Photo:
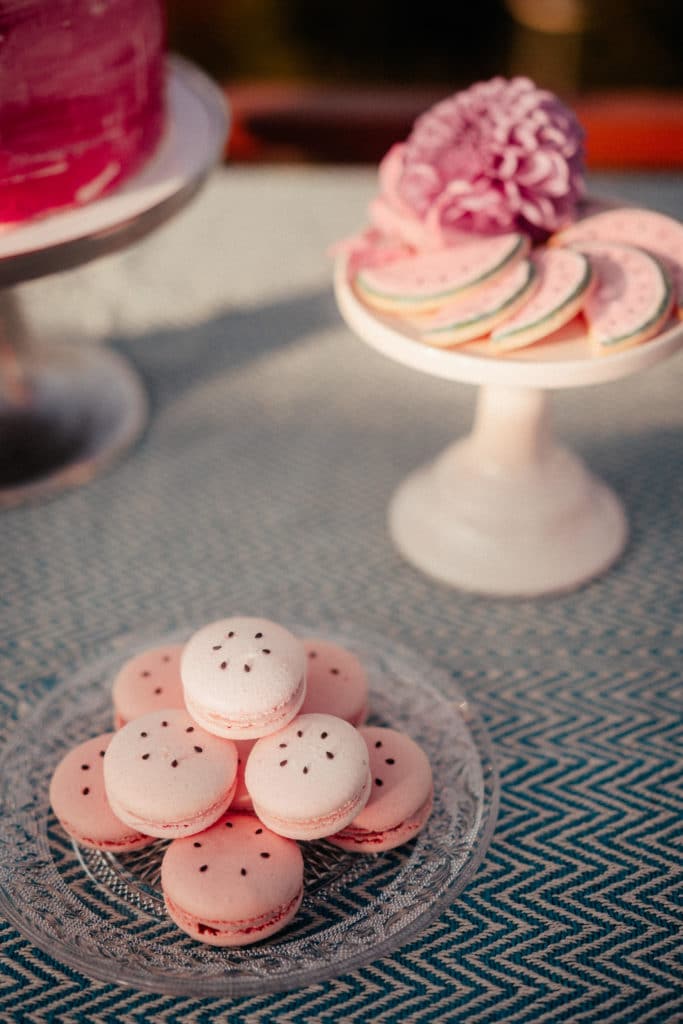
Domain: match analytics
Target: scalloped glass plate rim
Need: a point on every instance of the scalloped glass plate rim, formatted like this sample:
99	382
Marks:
364	642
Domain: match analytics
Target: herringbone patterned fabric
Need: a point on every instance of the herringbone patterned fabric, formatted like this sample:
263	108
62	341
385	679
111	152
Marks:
275	443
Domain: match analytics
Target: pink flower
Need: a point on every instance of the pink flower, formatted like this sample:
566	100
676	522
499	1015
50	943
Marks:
499	156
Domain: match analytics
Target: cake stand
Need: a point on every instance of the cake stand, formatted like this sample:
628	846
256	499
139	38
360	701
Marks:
67	411
506	511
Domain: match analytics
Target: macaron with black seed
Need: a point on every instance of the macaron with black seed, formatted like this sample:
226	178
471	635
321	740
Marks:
80	803
243	677
167	777
147	682
401	798
311	778
235	883
336	682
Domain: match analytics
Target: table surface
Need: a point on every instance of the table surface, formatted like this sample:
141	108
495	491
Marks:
275	442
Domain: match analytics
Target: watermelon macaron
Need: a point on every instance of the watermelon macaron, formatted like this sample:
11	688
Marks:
233	884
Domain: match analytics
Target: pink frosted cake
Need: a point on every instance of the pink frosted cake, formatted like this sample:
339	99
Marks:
81	99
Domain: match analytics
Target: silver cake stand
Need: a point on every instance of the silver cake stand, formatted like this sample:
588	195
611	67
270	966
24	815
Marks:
68	411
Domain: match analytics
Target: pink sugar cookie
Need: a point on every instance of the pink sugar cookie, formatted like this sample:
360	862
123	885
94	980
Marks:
233	884
243	677
336	683
148	682
78	798
401	799
242	800
167	777
311	778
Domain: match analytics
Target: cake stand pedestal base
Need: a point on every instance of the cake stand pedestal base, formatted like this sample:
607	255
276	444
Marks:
66	412
506	511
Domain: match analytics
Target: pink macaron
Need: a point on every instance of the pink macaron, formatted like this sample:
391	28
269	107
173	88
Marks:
234	884
167	777
148	682
243	677
401	799
336	683
80	803
311	778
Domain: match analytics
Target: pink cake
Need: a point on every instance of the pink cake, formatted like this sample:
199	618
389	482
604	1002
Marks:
81	99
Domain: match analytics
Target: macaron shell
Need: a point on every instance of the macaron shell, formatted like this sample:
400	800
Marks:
401	796
242	800
80	803
359	840
336	682
148	682
168	777
311	778
234	884
243	677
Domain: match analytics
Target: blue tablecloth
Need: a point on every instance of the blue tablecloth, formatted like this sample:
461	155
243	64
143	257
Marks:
275	442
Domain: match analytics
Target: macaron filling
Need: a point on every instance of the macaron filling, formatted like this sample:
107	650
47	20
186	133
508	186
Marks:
273	718
321	825
174	829
398	834
247	928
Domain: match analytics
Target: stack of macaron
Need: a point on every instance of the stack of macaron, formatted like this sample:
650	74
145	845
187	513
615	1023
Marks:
236	747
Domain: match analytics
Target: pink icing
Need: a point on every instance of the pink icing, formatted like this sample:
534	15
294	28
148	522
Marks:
81	99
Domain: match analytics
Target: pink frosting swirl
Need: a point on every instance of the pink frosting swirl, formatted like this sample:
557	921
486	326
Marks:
502	155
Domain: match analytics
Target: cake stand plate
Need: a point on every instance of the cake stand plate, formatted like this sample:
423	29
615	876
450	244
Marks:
506	511
66	412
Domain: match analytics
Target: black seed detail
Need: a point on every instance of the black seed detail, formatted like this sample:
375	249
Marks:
282	745
265	855
299	732
101	753
145	674
145	756
329	755
216	647
196	844
282	764
84	767
157	689
174	764
203	867
224	664
85	791
190	728
144	734
266	650
390	760
166	657
323	735
312	654
258	831
231	633
228	824
257	636
334	671
378	743
199	749
243	871
164	724
247	668
305	769
378	782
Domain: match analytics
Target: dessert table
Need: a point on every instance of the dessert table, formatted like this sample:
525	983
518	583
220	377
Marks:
276	438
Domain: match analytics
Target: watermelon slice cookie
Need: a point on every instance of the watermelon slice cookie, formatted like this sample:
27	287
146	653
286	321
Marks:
475	313
632	299
660	235
427	280
565	278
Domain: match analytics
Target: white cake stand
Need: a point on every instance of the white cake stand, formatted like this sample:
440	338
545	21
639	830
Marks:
506	511
67	411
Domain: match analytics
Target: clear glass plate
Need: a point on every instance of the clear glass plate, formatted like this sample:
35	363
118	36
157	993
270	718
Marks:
103	914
